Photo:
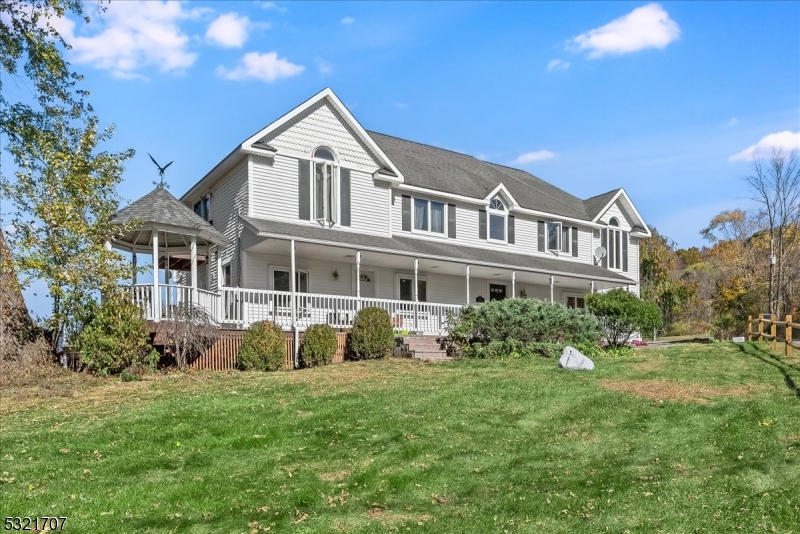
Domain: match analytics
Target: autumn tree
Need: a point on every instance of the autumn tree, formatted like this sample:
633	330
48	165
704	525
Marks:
62	189
660	281
775	183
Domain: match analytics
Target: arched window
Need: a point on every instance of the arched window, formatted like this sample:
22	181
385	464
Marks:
325	186
497	220
614	244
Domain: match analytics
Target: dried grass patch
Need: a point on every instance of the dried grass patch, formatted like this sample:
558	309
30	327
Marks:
670	390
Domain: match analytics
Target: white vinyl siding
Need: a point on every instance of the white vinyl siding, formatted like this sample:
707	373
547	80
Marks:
322	126
228	199
615	211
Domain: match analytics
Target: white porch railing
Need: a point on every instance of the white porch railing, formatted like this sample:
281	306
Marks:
245	306
171	297
241	307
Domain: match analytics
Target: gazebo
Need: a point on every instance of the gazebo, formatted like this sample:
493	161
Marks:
178	239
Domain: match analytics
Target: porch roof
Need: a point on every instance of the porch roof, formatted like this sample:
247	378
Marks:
423	248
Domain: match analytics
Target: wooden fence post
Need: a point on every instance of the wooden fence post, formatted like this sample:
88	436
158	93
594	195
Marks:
788	351
773	331
749	328
761	328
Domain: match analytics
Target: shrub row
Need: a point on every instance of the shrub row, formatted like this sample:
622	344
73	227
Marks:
519	328
264	344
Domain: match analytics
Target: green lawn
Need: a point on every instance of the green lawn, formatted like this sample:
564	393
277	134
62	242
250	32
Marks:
694	438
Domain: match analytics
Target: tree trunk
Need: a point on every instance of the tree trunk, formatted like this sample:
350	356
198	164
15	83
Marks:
20	340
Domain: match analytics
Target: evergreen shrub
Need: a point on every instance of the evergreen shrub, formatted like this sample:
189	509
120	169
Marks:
263	348
318	346
373	336
519	328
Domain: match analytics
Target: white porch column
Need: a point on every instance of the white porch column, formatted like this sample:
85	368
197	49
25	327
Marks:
358	276
220	281
551	289
166	261
513	284
467	270
156	294
293	307
208	267
591	287
193	257
416	293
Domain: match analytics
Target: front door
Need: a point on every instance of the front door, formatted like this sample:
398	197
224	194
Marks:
497	291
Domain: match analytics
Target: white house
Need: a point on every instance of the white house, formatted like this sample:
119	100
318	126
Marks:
363	218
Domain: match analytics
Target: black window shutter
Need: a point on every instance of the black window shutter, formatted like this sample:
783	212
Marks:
625	251
406	213
574	242
344	192
304	189
541	236
604	244
481	224
511	236
451	221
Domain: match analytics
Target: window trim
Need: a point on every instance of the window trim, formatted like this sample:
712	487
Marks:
400	276
429	231
495	212
331	213
615	234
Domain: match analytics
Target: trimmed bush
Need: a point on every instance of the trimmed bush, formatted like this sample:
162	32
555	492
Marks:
622	314
319	346
524	327
263	348
372	336
114	337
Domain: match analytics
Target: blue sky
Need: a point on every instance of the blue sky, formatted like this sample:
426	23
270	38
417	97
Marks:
664	99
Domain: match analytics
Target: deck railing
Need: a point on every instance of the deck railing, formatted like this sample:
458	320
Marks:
241	307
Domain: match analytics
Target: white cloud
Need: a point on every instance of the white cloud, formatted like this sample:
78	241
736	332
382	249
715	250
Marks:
325	67
530	157
786	141
267	67
348	20
733	122
134	35
557	64
400	105
645	27
273	5
229	30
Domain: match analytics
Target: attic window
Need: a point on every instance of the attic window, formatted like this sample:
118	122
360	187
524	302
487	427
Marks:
203	207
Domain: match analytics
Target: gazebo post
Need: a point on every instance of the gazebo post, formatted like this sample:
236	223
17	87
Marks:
156	294
133	264
193	255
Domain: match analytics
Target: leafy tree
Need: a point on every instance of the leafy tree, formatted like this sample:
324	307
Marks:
660	279
622	314
63	190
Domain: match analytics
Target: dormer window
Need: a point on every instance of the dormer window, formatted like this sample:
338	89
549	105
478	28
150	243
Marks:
497	220
325	186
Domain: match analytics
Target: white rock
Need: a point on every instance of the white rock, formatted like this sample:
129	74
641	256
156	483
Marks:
572	359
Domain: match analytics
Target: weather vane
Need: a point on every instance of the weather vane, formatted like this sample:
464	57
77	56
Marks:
162	184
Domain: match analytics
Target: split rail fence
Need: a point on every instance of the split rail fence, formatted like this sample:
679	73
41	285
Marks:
768	328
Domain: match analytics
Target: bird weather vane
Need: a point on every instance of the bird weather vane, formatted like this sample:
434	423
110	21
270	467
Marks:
162	184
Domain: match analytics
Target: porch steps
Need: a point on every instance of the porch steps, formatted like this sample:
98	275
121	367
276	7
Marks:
425	347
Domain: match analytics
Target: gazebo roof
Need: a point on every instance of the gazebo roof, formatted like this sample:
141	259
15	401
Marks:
159	211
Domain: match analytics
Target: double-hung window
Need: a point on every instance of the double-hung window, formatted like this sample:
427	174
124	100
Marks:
497	220
614	244
325	197
554	236
282	282
203	207
428	216
406	284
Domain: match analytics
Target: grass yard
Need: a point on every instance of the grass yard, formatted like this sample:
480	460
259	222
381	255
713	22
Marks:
694	438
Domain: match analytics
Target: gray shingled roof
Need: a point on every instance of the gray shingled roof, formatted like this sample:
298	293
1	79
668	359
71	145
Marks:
595	204
159	208
408	246
452	172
